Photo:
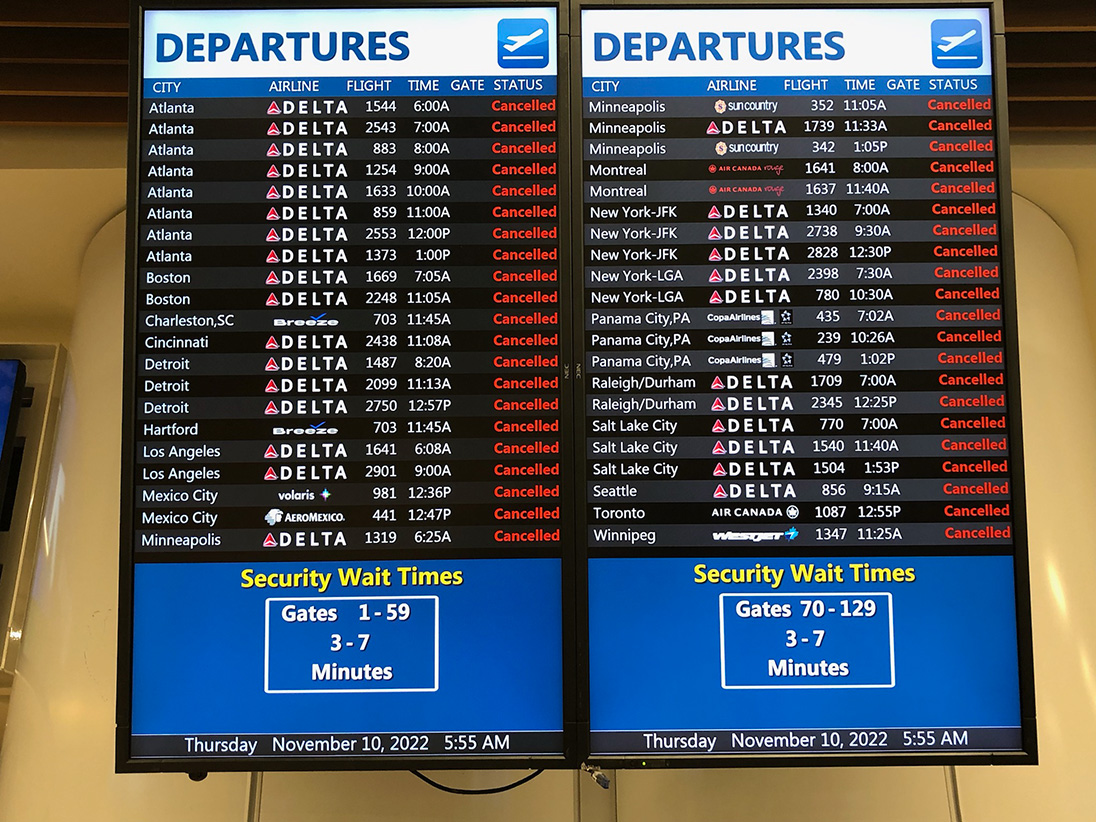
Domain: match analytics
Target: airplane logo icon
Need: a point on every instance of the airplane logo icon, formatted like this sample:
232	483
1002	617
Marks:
517	41
957	43
523	42
952	42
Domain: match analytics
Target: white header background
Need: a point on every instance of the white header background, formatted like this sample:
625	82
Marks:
877	42
442	42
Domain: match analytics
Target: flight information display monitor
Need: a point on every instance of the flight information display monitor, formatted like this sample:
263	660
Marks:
347	537
804	506
13	378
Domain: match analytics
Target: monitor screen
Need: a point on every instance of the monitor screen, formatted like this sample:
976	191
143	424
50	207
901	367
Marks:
804	494
13	378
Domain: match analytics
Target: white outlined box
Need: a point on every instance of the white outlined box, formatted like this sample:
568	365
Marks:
841	613
328	602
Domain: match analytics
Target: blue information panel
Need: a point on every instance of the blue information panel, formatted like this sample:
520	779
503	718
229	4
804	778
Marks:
759	621
402	631
803	471
783	655
12	379
347	531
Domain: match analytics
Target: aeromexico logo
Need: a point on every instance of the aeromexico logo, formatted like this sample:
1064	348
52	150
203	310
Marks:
276	516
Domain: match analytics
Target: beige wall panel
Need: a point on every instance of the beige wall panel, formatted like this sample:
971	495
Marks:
47	219
1059	395
57	763
1059	406
783	795
1058	172
400	797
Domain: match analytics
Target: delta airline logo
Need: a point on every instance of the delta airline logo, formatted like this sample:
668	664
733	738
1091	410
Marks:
523	42
956	43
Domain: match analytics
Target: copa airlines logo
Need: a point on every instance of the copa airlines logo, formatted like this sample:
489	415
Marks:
279	47
719	46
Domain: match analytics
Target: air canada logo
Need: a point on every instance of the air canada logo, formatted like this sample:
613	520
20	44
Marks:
956	43
523	42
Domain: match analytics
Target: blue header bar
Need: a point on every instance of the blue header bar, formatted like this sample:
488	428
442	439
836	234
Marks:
783	86
351	87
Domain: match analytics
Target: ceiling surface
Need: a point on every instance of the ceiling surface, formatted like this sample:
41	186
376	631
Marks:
65	62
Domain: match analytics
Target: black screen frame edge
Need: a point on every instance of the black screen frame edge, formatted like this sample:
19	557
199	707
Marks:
8	434
1028	754
124	761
